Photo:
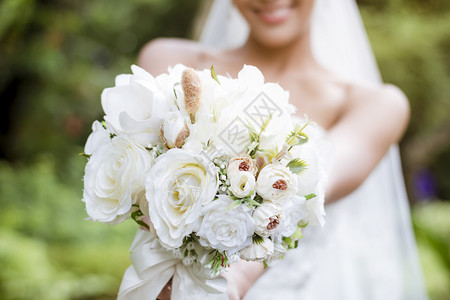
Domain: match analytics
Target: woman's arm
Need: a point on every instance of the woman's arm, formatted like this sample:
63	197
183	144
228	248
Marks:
371	123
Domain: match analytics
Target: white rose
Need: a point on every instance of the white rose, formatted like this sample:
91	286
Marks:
242	184
135	107
276	182
114	177
178	184
223	229
267	218
241	163
258	251
98	137
174	130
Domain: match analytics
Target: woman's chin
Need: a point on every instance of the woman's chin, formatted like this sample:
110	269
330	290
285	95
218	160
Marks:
276	40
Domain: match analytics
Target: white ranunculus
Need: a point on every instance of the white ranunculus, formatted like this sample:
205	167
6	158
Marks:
114	177
98	137
242	184
267	218
240	163
135	106
258	251
276	182
223	229
178	185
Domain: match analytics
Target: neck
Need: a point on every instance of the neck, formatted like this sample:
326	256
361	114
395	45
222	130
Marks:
296	56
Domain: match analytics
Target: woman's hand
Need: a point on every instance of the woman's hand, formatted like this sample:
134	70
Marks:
241	276
232	287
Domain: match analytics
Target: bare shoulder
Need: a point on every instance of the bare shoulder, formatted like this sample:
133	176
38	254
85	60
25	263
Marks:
386	100
157	55
386	96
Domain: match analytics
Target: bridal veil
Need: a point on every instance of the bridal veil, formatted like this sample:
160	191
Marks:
367	249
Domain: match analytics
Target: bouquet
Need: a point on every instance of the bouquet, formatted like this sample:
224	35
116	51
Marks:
213	169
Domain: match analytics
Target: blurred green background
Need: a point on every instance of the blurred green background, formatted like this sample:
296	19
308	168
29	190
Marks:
56	56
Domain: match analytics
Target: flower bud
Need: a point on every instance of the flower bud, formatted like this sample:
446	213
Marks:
242	184
174	131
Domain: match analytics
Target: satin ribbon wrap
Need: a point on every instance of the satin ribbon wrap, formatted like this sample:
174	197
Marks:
151	268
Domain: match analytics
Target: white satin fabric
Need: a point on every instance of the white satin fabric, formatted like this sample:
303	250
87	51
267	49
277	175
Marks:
151	268
367	248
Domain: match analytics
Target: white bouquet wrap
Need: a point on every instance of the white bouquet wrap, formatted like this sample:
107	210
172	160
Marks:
213	169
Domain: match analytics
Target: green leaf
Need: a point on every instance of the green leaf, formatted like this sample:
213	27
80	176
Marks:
253	136
310	196
297	137
302	224
218	260
214	75
143	224
251	201
265	264
287	242
297	166
291	242
235	204
297	234
174	91
258	198
258	240
137	214
84	154
252	148
265	124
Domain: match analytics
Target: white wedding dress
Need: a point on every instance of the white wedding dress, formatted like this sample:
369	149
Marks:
353	257
367	249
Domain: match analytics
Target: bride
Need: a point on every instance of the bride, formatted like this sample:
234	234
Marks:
317	50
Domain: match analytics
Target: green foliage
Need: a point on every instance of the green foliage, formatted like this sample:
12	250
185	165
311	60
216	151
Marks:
297	137
214	75
57	56
47	249
297	165
432	226
411	41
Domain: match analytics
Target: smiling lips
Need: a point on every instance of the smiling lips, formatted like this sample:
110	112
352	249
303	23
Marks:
274	14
